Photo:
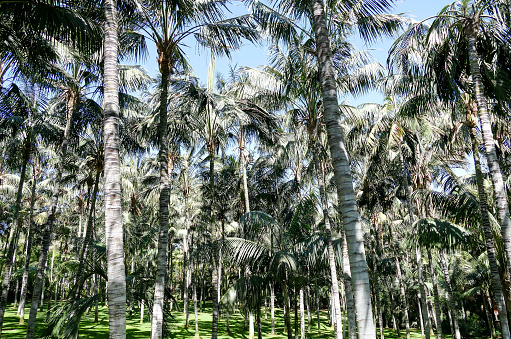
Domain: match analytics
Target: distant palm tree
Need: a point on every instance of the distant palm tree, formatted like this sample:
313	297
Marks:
167	23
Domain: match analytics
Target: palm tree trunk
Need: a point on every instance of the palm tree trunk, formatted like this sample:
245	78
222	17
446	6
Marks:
161	269
88	230
422	293
28	252
421	318
452	304
244	170
403	296
287	310
272	308
12	242
250	324
348	291
418	252
489	314
342	173
436	296
307	304
499	189
485	222
317	310
331	255
186	298
46	238
378	306
214	247
302	315
116	283
195	306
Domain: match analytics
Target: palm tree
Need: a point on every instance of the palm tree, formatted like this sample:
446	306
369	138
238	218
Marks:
29	26
112	191
368	21
454	35
18	116
485	222
167	23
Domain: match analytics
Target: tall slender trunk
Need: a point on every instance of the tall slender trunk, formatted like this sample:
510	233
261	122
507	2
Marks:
403	295
422	293
452	303
287	304
343	178
302	315
116	283
163	216
331	254
348	291
88	231
16	290
485	222
259	325
244	170
72	103
307	305
250	324
317	310
418	253
272	308
489	314
28	250
436	296
378	306
12	242
195	306
421	318
186	278
295	307
499	189
214	249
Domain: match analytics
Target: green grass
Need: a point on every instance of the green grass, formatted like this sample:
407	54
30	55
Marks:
135	330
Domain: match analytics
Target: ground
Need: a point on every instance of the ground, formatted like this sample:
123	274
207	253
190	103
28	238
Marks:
136	330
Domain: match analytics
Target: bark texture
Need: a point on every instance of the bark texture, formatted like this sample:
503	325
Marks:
163	216
116	284
499	189
343	178
488	236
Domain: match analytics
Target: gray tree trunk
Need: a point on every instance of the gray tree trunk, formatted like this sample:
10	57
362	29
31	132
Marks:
452	303
302	315
438	311
88	231
342	173
116	284
348	290
418	253
272	308
499	189
72	103
12	243
403	296
163	215
331	256
485	222
28	251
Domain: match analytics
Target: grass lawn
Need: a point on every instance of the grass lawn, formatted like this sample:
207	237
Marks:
135	330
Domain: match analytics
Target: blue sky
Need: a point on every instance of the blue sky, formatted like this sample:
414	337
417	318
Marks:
254	56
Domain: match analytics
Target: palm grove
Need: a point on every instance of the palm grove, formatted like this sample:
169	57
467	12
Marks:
261	191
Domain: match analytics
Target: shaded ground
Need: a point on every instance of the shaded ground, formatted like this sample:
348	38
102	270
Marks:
135	330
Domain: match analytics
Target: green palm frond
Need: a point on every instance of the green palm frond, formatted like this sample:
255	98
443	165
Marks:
431	232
